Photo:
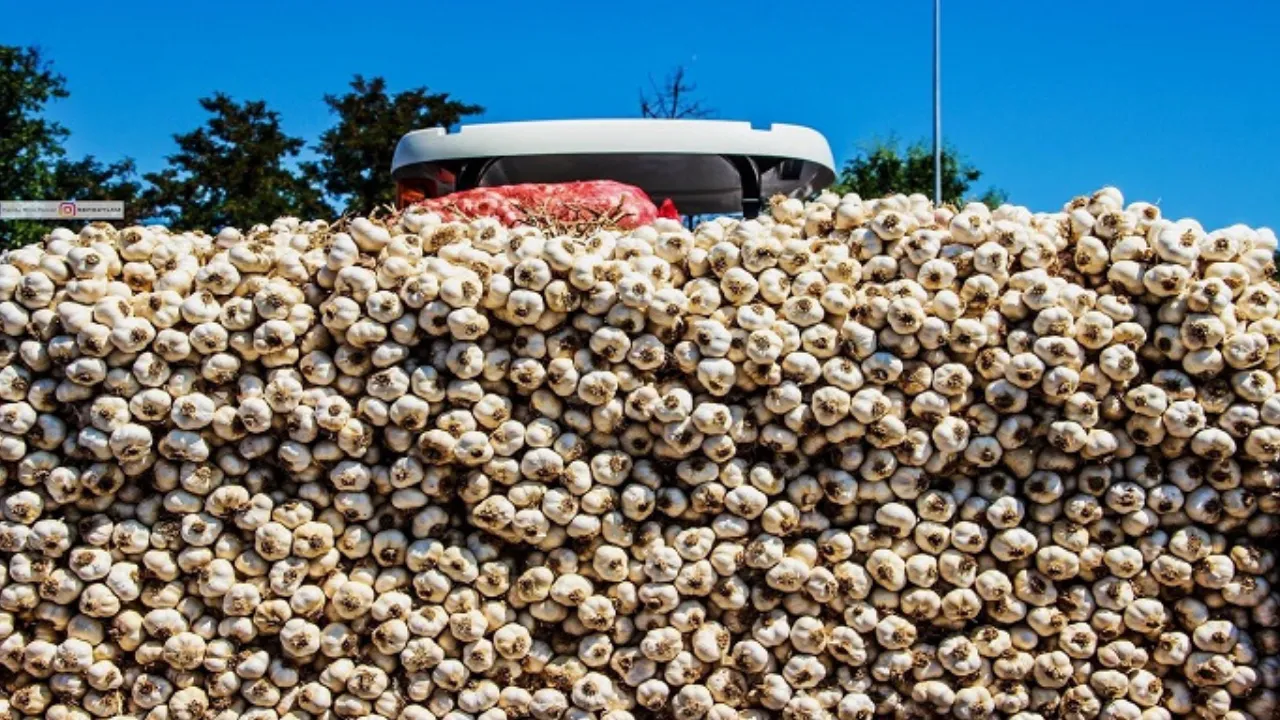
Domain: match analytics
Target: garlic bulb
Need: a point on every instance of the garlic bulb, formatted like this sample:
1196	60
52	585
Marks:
852	458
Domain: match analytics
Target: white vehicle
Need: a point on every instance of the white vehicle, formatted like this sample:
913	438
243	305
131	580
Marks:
703	166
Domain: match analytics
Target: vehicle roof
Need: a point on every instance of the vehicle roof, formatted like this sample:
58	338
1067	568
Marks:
701	165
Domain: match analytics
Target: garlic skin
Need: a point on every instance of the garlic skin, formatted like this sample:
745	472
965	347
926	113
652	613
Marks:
855	457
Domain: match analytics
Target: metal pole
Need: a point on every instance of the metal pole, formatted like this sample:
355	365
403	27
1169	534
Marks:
937	102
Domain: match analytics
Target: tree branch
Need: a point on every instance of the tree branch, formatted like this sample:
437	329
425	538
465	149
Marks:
673	99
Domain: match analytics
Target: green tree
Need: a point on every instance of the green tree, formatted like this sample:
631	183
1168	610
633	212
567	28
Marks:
29	143
676	98
232	171
33	163
89	179
883	169
355	154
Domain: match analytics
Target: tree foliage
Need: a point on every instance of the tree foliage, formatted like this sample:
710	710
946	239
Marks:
232	171
33	163
239	168
676	98
29	143
883	169
90	179
355	154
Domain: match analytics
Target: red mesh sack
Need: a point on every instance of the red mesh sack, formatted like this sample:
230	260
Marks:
602	203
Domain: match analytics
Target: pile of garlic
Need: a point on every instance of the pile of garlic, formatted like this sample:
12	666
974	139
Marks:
852	459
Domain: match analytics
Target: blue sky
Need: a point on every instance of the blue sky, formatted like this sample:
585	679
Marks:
1172	101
